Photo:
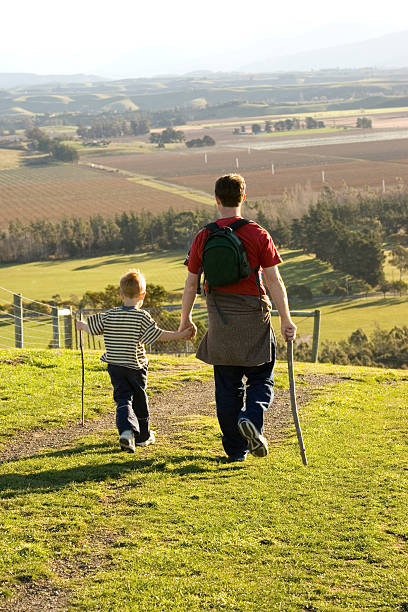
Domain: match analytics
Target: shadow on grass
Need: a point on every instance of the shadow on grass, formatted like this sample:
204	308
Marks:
48	481
130	258
348	304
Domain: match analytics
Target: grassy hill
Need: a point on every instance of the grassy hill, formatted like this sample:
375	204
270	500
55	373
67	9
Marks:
174	527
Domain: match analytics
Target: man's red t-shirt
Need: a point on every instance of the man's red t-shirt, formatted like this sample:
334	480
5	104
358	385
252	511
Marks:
259	247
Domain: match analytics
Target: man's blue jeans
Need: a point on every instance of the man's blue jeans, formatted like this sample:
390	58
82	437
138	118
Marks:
236	398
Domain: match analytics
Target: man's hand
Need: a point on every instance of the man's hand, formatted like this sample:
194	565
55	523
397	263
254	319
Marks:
288	329
188	333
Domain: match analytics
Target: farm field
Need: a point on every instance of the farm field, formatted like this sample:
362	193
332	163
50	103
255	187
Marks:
9	159
86	527
54	192
269	173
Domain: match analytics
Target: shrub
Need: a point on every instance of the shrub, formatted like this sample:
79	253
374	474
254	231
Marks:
300	291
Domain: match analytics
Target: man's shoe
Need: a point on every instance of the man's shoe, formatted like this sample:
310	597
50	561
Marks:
257	444
150	440
127	441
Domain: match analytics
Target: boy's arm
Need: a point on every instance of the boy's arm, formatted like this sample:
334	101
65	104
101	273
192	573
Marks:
185	334
82	326
279	296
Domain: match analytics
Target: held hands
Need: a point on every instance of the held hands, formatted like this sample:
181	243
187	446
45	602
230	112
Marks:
187	331
81	326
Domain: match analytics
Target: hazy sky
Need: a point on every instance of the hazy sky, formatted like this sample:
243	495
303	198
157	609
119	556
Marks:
105	37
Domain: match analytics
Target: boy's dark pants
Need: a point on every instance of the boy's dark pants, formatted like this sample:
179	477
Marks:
129	393
231	406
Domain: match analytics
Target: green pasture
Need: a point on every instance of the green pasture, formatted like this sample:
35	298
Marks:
67	278
174	527
41	280
9	159
116	147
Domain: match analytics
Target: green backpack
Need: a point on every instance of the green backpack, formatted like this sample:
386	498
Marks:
224	258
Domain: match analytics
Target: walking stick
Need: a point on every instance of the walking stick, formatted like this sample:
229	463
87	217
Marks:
83	375
293	402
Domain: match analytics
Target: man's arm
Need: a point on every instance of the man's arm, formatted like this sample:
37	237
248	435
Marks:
279	296
187	302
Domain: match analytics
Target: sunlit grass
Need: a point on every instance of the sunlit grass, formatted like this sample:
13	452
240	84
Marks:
174	527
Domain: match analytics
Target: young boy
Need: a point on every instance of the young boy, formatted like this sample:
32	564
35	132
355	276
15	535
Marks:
125	330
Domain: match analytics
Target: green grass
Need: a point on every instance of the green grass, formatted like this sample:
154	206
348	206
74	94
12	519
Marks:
9	159
175	528
118	148
340	317
41	280
43	389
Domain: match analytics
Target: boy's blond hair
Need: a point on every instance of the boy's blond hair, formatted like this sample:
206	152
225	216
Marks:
133	283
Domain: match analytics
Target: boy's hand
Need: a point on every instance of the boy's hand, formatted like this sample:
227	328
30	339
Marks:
82	326
188	333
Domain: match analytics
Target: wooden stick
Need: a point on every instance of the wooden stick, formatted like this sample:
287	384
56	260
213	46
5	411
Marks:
83	374
293	402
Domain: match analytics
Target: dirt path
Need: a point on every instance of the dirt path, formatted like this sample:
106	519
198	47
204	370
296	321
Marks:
166	408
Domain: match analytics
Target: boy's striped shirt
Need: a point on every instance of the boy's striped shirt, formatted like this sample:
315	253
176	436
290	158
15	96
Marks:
125	330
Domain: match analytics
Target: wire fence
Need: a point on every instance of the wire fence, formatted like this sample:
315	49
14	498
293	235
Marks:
28	323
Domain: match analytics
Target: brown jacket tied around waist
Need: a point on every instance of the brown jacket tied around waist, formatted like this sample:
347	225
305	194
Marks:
239	330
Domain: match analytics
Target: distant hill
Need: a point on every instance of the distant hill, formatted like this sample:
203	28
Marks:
10	80
389	51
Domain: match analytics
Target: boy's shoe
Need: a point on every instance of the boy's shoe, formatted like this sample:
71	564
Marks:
257	444
236	458
127	441
150	440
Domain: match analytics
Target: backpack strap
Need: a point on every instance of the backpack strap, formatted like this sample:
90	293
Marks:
234	226
212	227
239	223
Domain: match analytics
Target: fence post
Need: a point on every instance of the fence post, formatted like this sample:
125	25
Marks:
55	327
18	320
68	330
316	336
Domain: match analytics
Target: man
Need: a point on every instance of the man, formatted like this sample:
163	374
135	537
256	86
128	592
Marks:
240	341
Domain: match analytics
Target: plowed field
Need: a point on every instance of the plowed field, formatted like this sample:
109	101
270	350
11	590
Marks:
59	191
355	164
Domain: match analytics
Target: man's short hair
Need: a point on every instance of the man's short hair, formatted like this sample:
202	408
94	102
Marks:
230	189
133	283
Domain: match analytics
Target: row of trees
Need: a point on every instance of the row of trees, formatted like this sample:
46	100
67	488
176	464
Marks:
349	233
166	136
102	128
57	150
283	125
77	237
383	348
205	141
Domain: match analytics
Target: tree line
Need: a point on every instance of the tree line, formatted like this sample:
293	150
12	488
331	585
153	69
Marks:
76	237
57	150
348	234
384	348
